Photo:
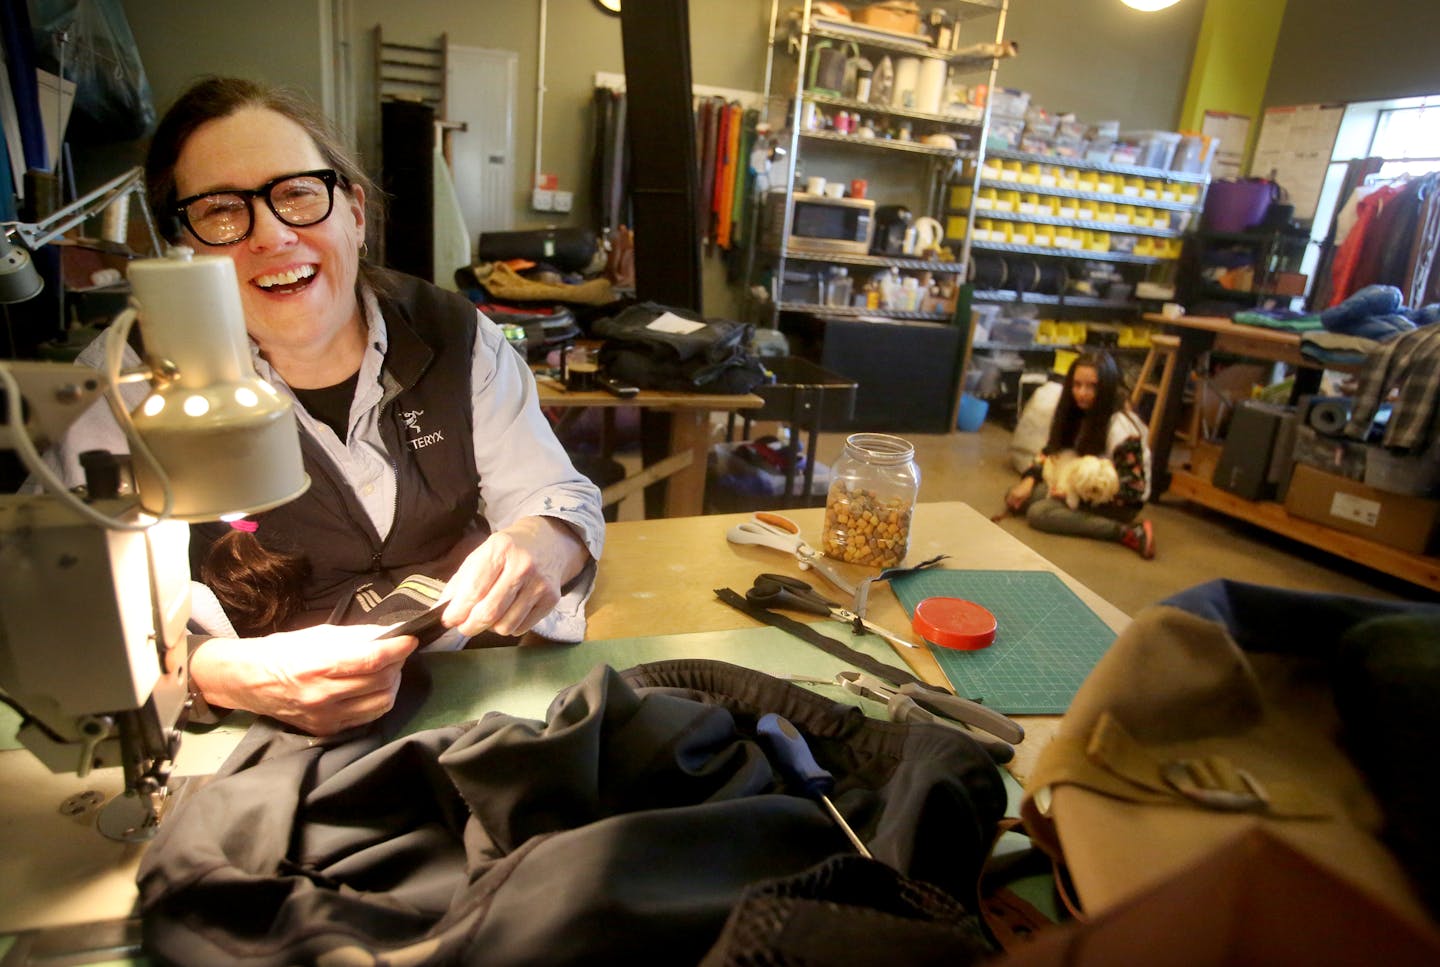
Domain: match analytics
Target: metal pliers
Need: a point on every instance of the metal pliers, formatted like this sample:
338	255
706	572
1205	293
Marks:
916	703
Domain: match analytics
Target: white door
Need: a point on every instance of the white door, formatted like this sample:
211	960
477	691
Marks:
480	89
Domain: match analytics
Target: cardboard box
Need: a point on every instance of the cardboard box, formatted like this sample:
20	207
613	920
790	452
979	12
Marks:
1408	523
896	15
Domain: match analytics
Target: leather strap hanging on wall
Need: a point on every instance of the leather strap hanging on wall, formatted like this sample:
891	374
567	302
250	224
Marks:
661	122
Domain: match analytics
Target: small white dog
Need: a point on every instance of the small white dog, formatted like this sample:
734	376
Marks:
1081	480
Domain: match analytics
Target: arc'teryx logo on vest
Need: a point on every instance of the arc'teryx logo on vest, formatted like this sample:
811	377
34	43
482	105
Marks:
421	439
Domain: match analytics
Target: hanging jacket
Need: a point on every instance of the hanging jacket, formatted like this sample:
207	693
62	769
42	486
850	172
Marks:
621	829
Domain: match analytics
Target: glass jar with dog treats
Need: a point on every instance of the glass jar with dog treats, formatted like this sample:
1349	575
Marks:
871	499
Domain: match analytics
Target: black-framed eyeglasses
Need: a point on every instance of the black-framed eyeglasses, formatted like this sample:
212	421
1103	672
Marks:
227	217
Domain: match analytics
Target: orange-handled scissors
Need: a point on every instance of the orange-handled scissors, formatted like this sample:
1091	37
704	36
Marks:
783	534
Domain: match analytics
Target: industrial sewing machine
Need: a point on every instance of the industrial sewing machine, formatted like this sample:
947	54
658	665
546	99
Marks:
94	591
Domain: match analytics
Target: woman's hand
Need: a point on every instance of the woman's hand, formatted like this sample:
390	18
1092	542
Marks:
514	579
1020	493
323	680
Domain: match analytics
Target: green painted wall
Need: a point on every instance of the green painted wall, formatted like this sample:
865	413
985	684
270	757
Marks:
1232	61
1103	60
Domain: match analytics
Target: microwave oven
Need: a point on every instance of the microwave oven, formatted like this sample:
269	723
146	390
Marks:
822	225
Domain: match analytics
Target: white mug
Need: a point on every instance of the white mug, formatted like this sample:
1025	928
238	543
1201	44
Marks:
837	190
815	185
1172	310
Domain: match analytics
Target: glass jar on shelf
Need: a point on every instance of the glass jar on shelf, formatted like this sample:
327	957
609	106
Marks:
871	500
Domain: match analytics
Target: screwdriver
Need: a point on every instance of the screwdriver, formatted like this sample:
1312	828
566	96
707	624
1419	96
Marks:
787	746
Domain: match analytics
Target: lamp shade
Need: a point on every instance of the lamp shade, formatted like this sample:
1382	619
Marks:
226	438
1149	6
18	279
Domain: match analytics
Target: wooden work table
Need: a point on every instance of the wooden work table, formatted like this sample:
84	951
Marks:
654	592
1200	334
675	440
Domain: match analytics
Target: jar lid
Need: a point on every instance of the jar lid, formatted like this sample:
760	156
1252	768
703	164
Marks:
954	623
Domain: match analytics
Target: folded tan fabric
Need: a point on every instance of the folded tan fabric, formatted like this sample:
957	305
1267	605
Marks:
504	282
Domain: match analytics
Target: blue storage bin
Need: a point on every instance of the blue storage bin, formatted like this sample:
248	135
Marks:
972	413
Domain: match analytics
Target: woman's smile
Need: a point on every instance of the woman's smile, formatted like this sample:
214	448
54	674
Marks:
286	281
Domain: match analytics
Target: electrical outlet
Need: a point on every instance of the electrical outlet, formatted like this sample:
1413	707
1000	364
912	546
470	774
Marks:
563	200
542	200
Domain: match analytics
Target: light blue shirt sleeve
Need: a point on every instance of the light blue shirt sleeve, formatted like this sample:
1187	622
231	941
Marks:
523	469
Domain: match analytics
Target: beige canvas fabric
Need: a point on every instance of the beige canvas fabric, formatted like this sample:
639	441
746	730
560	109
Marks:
1176	703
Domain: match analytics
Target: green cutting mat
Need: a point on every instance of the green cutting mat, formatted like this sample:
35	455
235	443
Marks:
1046	640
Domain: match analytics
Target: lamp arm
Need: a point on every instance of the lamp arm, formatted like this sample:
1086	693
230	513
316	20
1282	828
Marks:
48	229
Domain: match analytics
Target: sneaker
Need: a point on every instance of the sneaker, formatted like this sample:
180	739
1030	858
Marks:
1140	538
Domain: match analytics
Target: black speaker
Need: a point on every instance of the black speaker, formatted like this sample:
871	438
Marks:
1244	465
905	371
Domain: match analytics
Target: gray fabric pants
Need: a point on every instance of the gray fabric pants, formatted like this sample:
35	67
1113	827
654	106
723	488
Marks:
1055	517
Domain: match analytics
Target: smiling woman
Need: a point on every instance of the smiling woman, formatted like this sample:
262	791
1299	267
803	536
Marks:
379	367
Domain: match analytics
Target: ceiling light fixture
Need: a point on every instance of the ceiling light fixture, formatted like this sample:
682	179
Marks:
1149	6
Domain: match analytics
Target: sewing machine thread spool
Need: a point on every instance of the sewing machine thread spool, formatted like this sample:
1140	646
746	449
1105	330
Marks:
115	220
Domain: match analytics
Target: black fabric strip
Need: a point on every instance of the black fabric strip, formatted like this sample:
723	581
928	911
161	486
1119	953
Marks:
831	646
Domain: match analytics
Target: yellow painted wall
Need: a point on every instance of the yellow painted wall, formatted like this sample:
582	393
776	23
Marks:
1232	61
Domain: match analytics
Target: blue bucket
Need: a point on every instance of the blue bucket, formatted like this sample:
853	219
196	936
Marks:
972	413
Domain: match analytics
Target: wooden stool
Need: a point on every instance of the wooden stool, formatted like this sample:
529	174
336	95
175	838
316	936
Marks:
1168	347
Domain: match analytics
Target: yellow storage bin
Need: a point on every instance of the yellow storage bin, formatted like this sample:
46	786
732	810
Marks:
1010	170
1098	242
1045	332
1144	218
955	226
1030	204
986	200
1124	214
1030	174
960	196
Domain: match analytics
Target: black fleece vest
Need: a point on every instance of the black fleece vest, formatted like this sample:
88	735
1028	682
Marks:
426	423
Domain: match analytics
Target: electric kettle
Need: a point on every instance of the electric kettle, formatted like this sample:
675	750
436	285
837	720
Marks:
929	233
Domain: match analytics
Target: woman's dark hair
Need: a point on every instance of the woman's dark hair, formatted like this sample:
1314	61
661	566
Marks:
259	588
1085	430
